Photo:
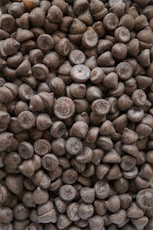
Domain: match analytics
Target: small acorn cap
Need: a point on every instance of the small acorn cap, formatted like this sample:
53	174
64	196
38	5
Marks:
55	14
110	21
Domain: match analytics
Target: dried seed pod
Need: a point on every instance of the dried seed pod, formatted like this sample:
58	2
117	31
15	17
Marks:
76	57
80	73
64	108
14	183
45	43
85	211
102	189
42	147
67	192
40	196
6	215
26	119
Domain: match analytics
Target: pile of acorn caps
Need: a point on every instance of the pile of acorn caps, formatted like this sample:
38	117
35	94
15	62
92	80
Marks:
76	115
